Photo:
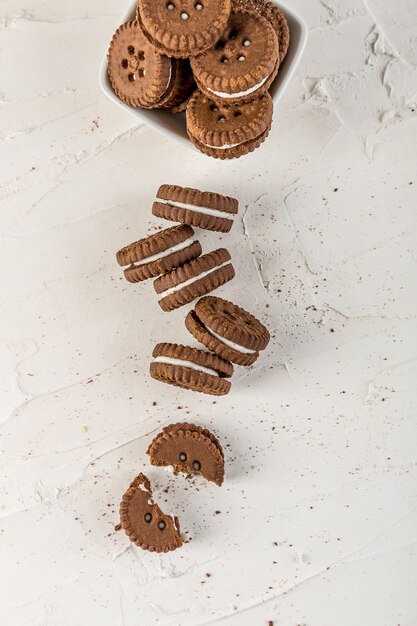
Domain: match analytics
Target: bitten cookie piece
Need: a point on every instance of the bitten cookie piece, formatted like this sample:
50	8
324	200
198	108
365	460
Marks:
191	368
159	253
204	209
227	330
228	131
243	63
144	522
194	279
183	28
190	449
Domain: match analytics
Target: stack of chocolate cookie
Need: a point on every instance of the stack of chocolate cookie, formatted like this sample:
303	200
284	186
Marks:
173	257
214	59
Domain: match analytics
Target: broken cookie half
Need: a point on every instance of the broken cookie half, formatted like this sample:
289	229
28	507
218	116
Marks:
190	449
144	522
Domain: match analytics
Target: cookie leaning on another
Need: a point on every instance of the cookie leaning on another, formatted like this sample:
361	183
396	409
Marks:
227	330
140	76
183	28
243	63
194	279
159	253
228	131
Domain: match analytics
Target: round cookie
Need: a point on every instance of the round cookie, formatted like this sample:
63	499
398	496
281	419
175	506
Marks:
190	449
242	64
139	74
204	209
227	330
183	28
191	369
158	253
144	522
275	17
194	279
228	131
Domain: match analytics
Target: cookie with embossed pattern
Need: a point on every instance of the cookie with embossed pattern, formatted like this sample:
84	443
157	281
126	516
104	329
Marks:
189	449
139	74
227	330
275	17
144	522
183	28
242	64
228	131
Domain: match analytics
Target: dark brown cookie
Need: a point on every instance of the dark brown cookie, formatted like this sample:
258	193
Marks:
227	330
275	17
228	131
139	74
204	209
191	368
190	449
159	253
183	28
194	279
243	63
143	521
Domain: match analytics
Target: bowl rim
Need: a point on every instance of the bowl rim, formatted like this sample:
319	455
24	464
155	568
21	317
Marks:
173	125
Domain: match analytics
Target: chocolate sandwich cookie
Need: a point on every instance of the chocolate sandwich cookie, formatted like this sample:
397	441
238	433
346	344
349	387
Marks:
190	449
191	368
185	88
227	330
228	131
243	63
204	209
275	17
183	28
194	279
180	88
159	253
144	522
139	74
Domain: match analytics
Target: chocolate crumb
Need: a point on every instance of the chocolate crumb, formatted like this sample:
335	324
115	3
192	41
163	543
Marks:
117	527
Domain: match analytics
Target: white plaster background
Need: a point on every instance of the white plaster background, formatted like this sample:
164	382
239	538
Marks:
318	522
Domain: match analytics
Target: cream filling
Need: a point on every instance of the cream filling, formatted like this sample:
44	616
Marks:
193	366
197	209
230	344
238	94
192	280
161	255
225	146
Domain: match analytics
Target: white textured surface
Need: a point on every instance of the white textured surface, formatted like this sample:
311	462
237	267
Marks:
318	522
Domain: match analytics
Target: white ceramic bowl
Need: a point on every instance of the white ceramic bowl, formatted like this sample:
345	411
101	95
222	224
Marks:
173	125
